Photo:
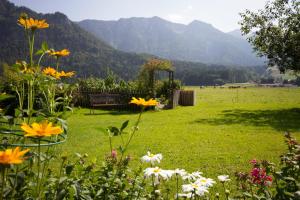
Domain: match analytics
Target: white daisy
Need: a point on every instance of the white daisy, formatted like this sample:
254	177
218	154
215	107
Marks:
192	177
206	182
180	172
152	158
196	188
223	178
185	195
157	173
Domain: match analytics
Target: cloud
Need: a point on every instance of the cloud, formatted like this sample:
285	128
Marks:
183	16
175	18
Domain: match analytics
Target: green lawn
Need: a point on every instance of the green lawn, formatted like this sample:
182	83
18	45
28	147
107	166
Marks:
219	135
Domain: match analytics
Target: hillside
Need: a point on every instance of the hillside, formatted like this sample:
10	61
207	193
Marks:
196	42
89	55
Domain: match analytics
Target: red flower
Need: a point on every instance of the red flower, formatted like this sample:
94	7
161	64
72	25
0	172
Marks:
260	177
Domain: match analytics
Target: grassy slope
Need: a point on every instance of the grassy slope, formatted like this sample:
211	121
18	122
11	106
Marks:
226	129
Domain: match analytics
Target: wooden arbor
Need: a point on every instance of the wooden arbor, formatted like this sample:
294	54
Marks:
148	73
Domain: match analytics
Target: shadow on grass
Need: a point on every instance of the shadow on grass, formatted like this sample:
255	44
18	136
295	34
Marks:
282	120
111	112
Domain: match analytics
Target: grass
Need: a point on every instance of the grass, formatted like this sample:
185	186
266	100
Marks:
226	129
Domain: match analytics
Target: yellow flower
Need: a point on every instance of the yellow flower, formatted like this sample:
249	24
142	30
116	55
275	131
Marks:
33	24
24	68
12	156
52	72
43	129
49	71
143	102
65	74
64	52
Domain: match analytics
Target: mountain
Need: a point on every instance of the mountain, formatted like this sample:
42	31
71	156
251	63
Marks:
197	41
238	34
89	55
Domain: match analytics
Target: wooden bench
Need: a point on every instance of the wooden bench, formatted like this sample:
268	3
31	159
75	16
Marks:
105	100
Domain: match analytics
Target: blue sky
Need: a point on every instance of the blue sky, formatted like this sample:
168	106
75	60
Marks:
223	14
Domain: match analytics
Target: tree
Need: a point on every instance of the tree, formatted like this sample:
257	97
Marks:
274	33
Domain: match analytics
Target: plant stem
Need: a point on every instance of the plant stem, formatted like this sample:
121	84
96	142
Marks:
3	170
57	62
15	183
38	166
177	186
110	144
132	134
40	59
31	49
225	191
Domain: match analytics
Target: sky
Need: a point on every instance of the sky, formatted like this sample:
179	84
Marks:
222	14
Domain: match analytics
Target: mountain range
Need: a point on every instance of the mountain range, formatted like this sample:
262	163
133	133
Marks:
196	42
89	55
92	56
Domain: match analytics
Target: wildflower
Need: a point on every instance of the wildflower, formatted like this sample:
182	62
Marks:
12	156
253	162
43	129
206	182
65	74
50	71
152	158
185	195
192	177
260	177
196	188
33	24
180	172
223	178
114	154
61	53
157	173
143	102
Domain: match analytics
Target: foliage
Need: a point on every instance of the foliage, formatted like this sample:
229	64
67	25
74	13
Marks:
110	82
91	56
147	76
201	74
274	32
43	101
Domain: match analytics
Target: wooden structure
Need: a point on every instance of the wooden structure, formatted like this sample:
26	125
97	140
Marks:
183	98
187	98
104	100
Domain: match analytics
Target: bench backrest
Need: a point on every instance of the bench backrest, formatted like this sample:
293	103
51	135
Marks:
105	98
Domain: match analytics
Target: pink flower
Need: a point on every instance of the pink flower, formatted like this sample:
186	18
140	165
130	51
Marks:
114	153
253	162
260	177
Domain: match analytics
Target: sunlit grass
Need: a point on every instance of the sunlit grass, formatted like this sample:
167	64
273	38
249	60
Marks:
226	129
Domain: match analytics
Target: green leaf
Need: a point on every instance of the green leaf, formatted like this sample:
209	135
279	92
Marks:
39	52
114	130
124	125
69	169
45	46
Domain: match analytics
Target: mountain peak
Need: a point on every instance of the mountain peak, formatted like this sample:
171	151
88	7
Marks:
198	22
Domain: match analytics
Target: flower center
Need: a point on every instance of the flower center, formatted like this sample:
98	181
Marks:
156	170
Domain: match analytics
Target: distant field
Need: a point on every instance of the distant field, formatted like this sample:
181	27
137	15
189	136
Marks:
219	135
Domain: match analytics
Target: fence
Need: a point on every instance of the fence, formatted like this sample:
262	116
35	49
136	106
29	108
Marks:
179	97
81	98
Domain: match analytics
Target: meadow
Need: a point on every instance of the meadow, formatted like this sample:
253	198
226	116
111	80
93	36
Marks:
220	135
